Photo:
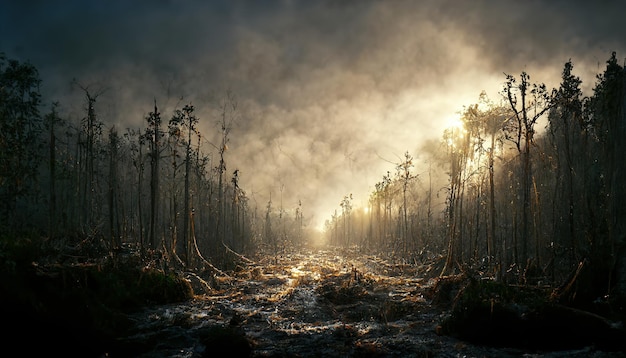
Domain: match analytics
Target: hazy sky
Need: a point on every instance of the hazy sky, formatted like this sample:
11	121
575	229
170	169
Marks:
329	92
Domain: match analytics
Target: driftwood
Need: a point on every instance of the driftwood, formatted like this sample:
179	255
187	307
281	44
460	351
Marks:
198	284
240	256
567	289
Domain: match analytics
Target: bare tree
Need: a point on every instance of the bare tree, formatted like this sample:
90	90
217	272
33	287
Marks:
228	109
405	176
137	160
114	216
455	143
564	125
153	135
186	118
528	101
92	129
487	121
346	210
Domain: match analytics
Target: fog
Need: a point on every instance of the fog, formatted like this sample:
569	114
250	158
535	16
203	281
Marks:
330	94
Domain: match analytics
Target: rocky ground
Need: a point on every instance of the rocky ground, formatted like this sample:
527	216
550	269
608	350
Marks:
312	304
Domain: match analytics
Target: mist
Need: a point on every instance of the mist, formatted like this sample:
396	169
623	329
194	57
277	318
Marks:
330	94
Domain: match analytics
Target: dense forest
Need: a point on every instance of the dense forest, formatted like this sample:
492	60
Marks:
533	189
531	195
153	188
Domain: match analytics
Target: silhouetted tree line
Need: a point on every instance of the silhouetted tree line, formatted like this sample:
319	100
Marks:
521	205
156	188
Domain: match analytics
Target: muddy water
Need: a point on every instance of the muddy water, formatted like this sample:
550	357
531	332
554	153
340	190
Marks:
315	304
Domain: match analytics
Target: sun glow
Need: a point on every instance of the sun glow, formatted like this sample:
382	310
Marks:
455	124
454	131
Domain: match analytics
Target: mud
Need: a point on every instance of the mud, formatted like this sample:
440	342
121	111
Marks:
313	304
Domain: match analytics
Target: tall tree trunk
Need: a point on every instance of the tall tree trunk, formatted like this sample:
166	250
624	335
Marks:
526	211
154	120
187	209
90	159
142	243
492	205
52	226
114	227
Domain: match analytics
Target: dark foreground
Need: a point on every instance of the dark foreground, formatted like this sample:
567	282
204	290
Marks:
322	303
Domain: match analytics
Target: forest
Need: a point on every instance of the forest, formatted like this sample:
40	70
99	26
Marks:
99	222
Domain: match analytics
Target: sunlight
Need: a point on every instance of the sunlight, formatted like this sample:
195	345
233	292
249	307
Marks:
455	124
454	131
297	272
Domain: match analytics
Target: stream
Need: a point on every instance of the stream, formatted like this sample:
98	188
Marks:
312	304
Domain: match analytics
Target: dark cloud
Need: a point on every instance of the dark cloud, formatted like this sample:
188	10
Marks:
330	92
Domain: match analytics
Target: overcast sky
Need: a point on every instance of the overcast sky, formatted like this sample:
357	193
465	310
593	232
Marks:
329	92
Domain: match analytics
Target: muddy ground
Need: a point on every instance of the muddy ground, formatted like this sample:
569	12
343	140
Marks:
313	304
